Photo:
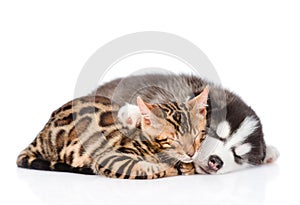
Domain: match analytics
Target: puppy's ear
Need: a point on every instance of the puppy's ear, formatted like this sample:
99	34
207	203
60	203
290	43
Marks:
272	155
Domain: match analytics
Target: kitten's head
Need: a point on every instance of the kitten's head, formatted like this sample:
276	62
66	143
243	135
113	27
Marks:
178	128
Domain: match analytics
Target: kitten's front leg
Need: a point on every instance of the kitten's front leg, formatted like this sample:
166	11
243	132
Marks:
187	168
124	167
129	115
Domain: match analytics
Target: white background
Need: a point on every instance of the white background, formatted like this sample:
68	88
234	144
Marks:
254	45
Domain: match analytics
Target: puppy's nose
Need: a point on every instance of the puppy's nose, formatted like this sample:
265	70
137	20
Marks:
215	163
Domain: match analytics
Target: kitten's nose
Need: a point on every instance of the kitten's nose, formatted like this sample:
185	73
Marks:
215	163
190	152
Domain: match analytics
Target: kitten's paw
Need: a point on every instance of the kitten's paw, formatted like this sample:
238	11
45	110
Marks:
272	155
187	168
129	115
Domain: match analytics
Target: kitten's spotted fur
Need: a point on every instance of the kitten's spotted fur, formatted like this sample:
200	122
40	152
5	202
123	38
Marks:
84	136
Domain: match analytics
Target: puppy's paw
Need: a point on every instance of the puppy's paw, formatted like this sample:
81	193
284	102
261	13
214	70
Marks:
272	155
129	115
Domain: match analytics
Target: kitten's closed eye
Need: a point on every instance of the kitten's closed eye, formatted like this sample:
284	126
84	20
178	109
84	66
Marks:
201	134
164	142
159	140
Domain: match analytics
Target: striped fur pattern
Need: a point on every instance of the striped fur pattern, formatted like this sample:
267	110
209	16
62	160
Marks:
85	136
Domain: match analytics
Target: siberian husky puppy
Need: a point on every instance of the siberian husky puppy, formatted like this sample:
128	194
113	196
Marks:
234	132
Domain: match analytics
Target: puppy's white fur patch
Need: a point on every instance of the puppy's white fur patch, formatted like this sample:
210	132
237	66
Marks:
247	127
223	129
243	149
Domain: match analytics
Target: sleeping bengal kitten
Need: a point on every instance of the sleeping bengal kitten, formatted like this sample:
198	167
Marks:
86	136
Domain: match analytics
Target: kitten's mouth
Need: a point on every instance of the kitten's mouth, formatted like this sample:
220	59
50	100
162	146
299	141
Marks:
187	160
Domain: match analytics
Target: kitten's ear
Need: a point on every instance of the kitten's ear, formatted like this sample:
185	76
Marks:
148	118
199	102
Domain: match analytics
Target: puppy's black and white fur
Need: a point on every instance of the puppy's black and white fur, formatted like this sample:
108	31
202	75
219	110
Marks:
234	132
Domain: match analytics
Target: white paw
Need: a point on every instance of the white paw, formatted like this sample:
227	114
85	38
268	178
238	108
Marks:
129	115
272	154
